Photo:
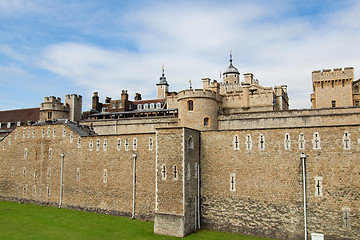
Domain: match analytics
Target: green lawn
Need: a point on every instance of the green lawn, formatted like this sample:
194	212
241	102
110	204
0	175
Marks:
26	221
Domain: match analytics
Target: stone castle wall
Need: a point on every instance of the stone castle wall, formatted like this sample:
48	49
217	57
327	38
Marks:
267	196
99	179
251	180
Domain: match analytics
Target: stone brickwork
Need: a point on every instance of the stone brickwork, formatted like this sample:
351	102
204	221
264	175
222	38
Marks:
332	88
177	185
267	200
101	178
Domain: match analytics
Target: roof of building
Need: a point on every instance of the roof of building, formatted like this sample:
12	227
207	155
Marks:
20	115
231	68
163	79
81	130
149	101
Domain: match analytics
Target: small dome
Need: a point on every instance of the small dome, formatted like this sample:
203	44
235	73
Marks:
231	68
163	78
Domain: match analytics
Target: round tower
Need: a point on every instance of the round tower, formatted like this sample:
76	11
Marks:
198	109
231	74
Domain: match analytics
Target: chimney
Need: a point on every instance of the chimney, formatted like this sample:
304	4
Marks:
137	96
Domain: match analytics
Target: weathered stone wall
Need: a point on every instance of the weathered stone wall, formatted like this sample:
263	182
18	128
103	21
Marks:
290	118
101	178
267	196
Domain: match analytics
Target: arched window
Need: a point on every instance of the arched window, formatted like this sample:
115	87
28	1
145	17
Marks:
139	107
356	89
206	122
191	143
190	105
152	105
158	105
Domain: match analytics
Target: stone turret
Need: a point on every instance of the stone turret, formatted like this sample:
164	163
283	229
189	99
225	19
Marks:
198	109
332	88
75	106
52	109
231	74
162	86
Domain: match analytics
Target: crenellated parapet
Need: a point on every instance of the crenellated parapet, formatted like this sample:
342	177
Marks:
199	93
335	74
54	104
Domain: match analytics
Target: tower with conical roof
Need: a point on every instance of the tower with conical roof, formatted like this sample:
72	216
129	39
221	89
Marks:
162	86
231	74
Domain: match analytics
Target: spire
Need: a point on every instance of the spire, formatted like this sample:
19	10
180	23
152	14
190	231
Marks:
231	68
163	78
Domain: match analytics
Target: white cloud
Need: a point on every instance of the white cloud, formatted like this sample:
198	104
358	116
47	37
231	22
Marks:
193	40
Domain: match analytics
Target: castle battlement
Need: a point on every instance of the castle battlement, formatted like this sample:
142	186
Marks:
52	99
335	74
199	93
73	96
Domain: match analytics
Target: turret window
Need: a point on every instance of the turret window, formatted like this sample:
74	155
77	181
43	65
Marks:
191	143
356	89
190	105
206	122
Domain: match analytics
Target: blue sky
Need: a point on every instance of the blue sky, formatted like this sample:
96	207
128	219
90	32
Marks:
62	47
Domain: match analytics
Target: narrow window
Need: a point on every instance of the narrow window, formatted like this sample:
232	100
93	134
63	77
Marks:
71	137
301	141
175	171
356	103
54	132
118	144
9	141
48	132
196	170
346	218
158	105
134	144
24	171
163	172
126	144
105	176
232	182
49	173
261	142
91	145
48	191
24	133
24	189
206	122
333	103
190	105
316	141
152	105
105	145
248	142
332	83
35	174
98	145
50	153
16	134
188	172
12	171
346	141
28	133
79	143
322	84
190	143
139	107
49	115
78	174
33	133
64	132
34	190
356	89
25	153
236	143
318	187
287	142
113	105
3	145
43	133
150	144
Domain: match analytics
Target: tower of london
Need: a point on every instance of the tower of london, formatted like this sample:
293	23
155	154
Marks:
231	156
